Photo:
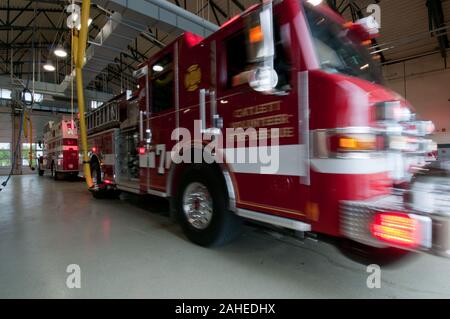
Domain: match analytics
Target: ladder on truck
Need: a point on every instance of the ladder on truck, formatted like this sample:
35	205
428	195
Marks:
102	118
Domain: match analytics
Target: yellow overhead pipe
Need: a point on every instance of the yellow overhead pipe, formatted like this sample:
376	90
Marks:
27	118
78	53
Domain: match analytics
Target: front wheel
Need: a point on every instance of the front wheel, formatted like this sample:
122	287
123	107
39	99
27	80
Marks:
368	255
202	208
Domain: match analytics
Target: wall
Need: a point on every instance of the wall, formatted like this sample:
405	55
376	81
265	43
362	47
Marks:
425	82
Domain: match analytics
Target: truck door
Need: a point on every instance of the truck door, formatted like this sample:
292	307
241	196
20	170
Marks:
251	96
162	118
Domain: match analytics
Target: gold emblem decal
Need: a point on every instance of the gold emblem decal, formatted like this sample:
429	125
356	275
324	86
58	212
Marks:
193	78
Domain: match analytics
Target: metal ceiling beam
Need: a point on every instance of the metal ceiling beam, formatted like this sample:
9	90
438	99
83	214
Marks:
161	14
437	21
238	4
31	28
27	9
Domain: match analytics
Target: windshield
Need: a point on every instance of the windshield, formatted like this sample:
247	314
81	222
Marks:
337	52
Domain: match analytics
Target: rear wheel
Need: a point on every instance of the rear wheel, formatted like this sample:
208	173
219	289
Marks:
74	176
41	172
56	176
202	208
96	176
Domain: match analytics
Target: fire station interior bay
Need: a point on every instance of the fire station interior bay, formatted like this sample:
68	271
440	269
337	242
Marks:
224	149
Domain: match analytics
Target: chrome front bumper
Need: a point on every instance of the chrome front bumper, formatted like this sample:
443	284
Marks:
358	216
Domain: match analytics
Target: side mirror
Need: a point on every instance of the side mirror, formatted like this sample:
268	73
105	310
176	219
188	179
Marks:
261	49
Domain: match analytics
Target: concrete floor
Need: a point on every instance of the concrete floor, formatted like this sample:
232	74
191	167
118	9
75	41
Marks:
129	249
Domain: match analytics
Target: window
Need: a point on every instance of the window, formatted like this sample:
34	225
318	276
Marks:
162	85
96	104
236	57
37	97
37	152
238	61
5	155
337	52
5	94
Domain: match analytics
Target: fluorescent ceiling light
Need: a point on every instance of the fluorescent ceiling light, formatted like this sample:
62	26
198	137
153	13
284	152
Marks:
315	2
158	68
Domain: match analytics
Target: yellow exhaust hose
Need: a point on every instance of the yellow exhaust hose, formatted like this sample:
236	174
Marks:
26	130
78	53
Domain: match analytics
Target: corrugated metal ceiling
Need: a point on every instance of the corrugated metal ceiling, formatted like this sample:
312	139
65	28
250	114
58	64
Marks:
405	25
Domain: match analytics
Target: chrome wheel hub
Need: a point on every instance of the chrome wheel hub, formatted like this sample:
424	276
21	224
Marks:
94	177
197	205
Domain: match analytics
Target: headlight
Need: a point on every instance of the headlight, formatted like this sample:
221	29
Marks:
431	195
392	111
420	128
422	197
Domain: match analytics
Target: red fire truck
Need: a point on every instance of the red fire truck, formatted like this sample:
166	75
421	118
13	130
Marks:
300	76
60	148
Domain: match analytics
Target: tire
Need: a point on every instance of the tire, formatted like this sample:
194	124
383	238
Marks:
366	255
59	176
41	172
96	174
217	225
54	173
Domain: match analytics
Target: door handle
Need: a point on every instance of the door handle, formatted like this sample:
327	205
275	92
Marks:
216	120
141	125
202	99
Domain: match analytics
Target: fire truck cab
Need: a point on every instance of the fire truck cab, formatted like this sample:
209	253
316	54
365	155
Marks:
60	146
293	86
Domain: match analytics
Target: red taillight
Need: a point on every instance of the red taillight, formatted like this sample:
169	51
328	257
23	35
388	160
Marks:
94	150
141	150
396	229
107	182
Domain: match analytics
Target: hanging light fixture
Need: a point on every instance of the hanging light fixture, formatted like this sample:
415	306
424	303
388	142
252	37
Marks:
60	52
49	67
315	2
158	68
